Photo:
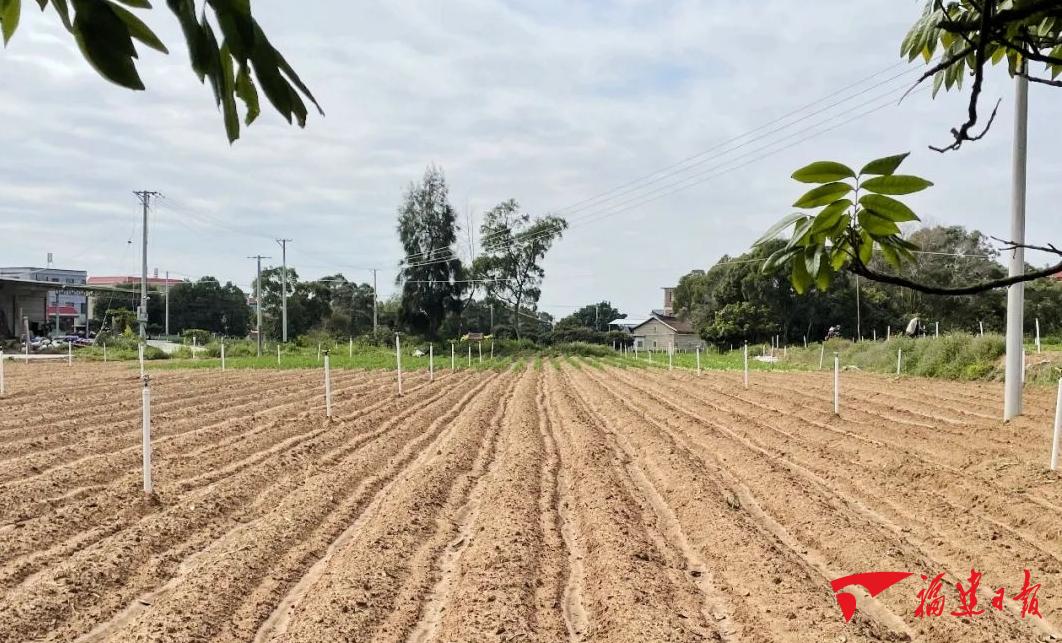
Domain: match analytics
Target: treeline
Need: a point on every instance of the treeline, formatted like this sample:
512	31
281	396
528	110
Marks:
735	300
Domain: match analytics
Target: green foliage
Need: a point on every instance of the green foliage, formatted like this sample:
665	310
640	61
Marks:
738	322
950	30
105	32
845	231
514	245
432	277
205	304
956	356
200	336
594	316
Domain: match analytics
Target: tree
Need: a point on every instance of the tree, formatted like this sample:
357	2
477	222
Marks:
514	245
431	275
593	316
204	304
977	33
845	233
105	30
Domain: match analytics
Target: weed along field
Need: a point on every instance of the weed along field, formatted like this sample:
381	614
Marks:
552	500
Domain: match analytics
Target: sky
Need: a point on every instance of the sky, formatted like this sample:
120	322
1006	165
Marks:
665	132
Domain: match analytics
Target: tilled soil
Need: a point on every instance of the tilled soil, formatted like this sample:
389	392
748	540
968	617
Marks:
570	502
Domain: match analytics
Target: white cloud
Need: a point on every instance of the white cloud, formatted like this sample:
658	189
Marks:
549	102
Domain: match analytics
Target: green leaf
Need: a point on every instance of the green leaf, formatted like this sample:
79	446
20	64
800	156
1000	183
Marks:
228	88
812	259
10	11
823	195
830	216
866	246
802	233
887	208
824	276
823	172
138	4
105	43
890	256
884	166
896	184
139	30
248	94
877	226
800	277
839	258
777	228
778	258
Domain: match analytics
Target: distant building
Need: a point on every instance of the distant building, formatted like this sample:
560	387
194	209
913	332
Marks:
132	280
63	308
663	330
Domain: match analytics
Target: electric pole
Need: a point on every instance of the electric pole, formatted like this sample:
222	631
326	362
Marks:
284	289
142	316
258	298
374	300
1015	355
167	303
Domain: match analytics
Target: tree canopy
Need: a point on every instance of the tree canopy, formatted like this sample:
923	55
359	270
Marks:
514	245
236	67
431	275
974	34
850	218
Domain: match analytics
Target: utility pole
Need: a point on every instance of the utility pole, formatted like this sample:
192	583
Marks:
145	200
167	303
374	300
258	298
1015	356
284	289
859	314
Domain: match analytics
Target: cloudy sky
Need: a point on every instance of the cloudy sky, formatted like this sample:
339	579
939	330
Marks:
664	131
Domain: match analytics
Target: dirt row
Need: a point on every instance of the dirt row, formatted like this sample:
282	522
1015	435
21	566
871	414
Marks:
566	502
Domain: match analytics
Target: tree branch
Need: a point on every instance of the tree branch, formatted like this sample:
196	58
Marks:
963	133
859	268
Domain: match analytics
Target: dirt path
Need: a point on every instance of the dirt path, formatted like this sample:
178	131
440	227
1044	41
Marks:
564	502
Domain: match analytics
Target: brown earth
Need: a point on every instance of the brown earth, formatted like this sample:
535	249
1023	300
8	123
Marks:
571	502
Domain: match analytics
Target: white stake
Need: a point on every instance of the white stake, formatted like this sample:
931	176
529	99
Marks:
888	333
1023	367
936	329
104	353
328	386
470	355
875	334
278	354
70	353
746	364
350	347
222	355
822	355
318	351
193	347
1037	334
480	346
698	360
431	362
805	341
148	487
836	383
899	360
1	372
982	326
1058	428
670	355
453	358
492	349
398	360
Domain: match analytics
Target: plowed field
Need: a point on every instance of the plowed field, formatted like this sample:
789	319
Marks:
566	503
